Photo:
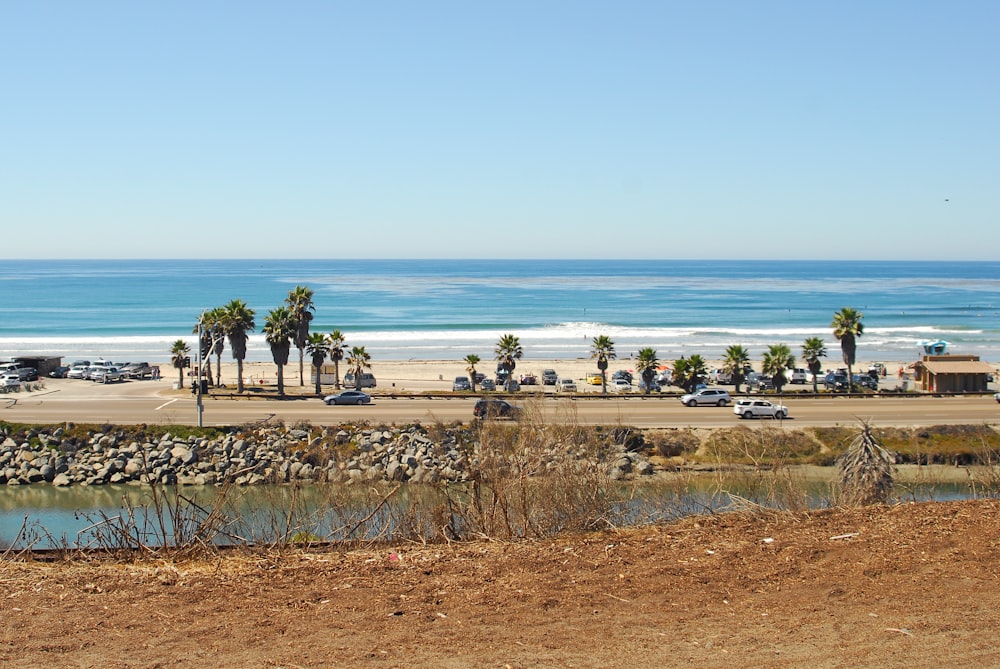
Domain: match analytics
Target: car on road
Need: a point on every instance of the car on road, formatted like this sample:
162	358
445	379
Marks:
486	408
707	396
348	397
566	386
759	409
996	396
549	377
461	383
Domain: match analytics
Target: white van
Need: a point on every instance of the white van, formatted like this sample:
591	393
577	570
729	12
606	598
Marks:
367	381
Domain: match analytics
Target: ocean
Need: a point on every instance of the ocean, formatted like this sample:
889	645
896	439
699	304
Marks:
133	310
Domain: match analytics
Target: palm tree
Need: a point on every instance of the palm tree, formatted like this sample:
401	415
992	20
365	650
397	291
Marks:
318	347
179	359
279	327
602	349
472	360
735	362
777	359
689	372
508	351
300	303
646	365
813	349
847	327
337	351
357	362
238	323
213	321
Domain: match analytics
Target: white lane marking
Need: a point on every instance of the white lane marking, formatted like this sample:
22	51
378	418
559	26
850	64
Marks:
165	404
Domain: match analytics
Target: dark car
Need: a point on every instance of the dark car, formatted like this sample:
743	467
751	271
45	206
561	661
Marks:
835	382
866	381
622	374
59	372
495	408
349	397
27	374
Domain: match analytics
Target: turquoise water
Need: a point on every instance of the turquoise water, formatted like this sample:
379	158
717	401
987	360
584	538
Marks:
446	309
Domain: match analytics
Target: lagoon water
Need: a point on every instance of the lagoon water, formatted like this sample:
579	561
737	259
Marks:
446	309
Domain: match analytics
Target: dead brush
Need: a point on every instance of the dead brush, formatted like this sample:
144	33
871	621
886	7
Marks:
865	470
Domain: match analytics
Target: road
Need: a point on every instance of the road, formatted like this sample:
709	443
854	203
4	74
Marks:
156	403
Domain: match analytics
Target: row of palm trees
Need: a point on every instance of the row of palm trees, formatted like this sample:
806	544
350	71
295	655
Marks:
284	327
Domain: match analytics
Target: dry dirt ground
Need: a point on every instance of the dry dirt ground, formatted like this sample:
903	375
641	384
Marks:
904	586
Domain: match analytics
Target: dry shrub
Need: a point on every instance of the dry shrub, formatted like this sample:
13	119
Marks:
866	470
744	445
673	442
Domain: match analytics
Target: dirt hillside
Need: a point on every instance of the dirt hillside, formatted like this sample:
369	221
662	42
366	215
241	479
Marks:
905	586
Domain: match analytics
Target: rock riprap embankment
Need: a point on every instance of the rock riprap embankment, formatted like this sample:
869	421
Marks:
284	455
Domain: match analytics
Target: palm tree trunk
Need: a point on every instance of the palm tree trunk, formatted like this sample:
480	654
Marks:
336	374
239	375
319	391
301	378
281	380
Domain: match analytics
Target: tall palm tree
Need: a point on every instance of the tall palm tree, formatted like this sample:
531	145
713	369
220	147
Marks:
813	349
338	349
689	372
179	359
602	349
279	327
508	352
646	365
472	360
357	362
300	303
735	363
318	347
213	321
777	359
238	323
847	327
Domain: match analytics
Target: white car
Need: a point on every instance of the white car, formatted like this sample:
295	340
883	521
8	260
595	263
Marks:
707	396
798	375
10	381
620	386
997	397
566	386
759	409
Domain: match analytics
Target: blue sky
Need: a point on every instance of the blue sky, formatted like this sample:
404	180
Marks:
488	130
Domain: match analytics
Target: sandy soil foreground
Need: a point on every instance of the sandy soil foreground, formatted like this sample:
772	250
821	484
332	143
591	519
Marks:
907	586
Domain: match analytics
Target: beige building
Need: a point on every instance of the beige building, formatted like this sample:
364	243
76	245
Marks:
951	374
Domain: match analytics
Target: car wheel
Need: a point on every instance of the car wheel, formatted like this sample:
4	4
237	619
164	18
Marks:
360	401
743	415
328	402
692	403
722	403
783	414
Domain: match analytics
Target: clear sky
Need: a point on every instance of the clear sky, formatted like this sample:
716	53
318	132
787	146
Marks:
580	129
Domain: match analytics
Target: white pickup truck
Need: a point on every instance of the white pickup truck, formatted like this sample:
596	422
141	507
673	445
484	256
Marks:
759	409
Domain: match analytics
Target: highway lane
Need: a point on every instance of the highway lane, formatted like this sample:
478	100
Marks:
139	403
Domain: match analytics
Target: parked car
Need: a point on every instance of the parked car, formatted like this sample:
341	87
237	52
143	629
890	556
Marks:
866	381
836	382
654	387
10	381
348	397
762	384
78	372
622	374
566	386
495	408
367	380
665	378
759	409
461	383
137	370
620	386
721	377
707	396
59	372
529	379
798	375
27	374
107	375
487	384
594	379
549	377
